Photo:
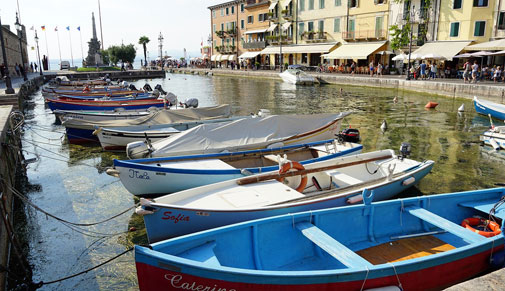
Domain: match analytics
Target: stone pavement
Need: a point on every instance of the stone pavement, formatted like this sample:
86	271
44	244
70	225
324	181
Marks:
16	82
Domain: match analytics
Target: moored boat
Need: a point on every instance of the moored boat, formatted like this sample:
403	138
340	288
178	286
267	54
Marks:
131	104
171	174
329	183
486	107
494	137
406	244
243	134
96	115
296	76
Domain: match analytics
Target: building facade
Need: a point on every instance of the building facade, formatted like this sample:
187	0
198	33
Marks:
12	49
255	30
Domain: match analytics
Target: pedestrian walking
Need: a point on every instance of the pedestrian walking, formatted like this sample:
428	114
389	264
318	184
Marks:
497	74
36	67
353	68
475	69
371	68
433	73
423	70
466	71
16	67
379	69
31	67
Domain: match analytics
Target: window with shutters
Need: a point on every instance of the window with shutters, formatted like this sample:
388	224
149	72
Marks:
301	28
457	4
213	13
310	25
250	19
336	25
321	25
214	28
242	24
353	3
480	28
301	4
454	29
242	7
222	11
501	20
338	2
311	4
480	3
321	4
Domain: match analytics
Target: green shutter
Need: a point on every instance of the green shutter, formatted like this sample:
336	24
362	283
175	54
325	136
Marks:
454	29
336	25
338	2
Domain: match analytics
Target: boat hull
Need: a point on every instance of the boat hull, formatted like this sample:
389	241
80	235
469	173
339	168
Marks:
141	179
101	105
170	221
434	274
486	107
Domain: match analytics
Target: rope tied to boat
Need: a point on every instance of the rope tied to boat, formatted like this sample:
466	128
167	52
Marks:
366	277
397	278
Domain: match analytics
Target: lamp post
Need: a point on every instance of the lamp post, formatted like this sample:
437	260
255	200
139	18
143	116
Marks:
8	82
38	52
209	42
19	28
280	37
411	16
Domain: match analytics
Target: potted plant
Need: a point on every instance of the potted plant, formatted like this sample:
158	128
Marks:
257	64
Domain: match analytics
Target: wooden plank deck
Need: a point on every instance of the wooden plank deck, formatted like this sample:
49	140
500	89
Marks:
404	249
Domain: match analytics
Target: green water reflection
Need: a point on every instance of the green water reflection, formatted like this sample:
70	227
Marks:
74	186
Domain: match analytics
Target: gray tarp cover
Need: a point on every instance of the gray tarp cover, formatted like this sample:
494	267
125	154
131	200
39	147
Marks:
246	133
158	117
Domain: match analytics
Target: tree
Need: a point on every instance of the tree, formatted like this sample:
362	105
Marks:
400	34
125	53
144	40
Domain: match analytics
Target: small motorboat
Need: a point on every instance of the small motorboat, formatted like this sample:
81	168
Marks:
297	76
421	243
95	115
485	107
131	104
335	182
168	175
242	135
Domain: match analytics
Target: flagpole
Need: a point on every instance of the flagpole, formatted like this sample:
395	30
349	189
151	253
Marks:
82	54
47	51
59	47
70	40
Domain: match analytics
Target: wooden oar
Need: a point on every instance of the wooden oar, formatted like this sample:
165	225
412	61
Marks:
259	178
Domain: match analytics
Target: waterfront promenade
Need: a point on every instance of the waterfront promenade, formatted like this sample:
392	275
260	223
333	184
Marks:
449	87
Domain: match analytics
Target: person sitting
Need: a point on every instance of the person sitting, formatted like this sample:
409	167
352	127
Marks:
497	74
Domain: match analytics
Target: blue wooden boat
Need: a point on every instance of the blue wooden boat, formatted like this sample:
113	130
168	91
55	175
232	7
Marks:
329	183
489	108
105	96
172	174
405	244
102	104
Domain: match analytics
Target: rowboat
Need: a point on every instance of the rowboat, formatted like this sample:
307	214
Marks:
243	134
172	174
495	137
97	96
94	115
81	131
404	244
485	107
296	76
103	104
329	183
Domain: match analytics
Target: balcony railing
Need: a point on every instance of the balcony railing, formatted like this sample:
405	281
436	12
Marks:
225	48
220	33
231	31
364	34
314	36
255	45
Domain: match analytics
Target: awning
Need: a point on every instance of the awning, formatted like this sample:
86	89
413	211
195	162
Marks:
359	51
255	31
447	49
272	5
231	57
205	56
300	49
286	3
494	45
272	27
286	25
215	58
222	58
249	55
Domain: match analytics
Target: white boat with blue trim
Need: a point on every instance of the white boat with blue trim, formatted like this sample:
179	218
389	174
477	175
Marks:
331	183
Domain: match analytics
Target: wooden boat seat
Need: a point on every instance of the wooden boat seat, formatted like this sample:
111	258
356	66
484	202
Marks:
334	248
343	180
445	224
404	249
202	253
485	206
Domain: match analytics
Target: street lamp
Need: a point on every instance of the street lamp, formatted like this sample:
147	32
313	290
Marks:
19	28
412	14
8	82
38	53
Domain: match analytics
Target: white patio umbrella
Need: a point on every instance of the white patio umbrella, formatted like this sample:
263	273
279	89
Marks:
385	53
465	55
498	53
481	54
432	56
400	57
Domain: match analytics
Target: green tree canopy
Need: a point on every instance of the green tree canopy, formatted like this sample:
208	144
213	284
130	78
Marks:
144	40
125	53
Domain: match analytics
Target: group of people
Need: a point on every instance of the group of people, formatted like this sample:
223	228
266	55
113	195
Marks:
373	69
471	73
425	71
19	69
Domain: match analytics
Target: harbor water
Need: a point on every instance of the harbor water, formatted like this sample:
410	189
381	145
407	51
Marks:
69	181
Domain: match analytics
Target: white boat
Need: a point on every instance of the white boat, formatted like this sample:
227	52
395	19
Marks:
95	115
243	134
296	76
325	184
172	174
494	137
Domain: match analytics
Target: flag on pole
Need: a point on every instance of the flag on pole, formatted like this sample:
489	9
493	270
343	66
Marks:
79	28
68	28
43	27
56	28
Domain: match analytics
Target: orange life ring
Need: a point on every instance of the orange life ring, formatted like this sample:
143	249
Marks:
297	166
470	222
85	90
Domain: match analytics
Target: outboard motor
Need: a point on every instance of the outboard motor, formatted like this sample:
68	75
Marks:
171	99
159	88
132	87
124	84
156	93
405	149
191	102
147	88
349	135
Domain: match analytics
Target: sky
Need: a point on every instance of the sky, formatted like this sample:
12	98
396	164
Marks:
183	24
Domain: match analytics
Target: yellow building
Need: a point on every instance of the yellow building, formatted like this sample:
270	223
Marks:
254	31
466	20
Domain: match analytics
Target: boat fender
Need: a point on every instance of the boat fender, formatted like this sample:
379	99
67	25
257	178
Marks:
142	211
112	172
494	144
297	166
355	199
245	172
385	288
408	181
145	202
275	145
97	131
470	222
431	105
